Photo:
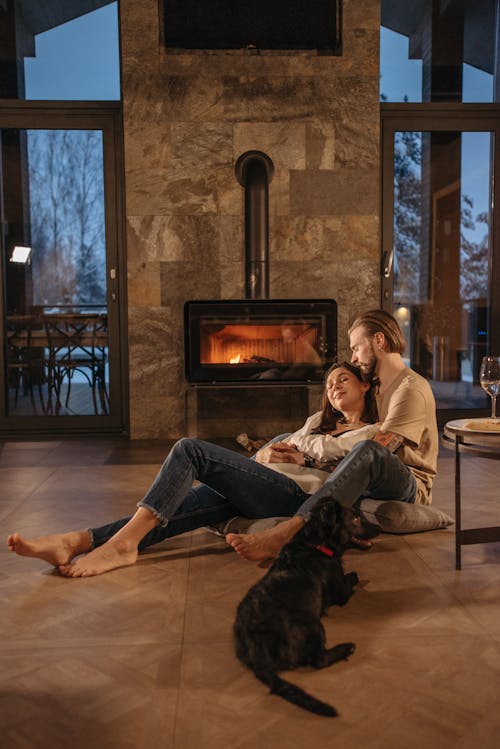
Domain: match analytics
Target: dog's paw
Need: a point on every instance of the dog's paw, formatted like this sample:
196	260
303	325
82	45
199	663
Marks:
353	578
345	649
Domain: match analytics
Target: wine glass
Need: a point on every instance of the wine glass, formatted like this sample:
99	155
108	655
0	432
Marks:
489	377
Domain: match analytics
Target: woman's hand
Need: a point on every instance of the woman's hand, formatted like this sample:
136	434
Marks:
280	452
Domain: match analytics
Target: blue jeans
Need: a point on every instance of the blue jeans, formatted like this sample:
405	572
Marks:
368	470
232	485
236	485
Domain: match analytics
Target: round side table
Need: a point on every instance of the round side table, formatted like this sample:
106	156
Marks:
471	436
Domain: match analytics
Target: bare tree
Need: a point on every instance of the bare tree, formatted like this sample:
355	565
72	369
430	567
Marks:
67	216
407	216
474	255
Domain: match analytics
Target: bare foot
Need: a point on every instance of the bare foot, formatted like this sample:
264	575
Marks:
113	554
57	549
256	547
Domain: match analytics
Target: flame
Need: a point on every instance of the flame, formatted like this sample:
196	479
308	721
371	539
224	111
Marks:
235	360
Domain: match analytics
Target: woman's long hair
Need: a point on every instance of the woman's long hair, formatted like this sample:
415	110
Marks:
330	416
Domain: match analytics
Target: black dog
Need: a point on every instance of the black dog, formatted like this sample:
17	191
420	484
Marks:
278	624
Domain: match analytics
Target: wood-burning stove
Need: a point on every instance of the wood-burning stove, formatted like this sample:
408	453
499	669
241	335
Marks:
259	341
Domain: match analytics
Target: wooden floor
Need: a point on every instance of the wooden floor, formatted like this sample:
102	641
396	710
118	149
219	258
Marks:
143	657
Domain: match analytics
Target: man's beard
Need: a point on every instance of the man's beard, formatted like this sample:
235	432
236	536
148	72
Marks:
368	368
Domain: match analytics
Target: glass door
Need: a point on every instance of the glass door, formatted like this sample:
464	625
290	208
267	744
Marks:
440	260
60	284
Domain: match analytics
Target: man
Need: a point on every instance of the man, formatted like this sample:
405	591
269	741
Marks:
398	463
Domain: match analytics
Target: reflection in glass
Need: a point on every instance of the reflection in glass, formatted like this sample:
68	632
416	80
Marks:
436	51
400	77
442	253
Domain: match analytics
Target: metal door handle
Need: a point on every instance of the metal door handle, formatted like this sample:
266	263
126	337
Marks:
387	262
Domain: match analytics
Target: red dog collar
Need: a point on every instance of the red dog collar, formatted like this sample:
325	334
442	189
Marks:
324	550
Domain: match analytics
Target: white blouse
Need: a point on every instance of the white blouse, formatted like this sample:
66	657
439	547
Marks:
321	447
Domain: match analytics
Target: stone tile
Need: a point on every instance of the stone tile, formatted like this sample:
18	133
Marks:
150	238
177	283
143	281
232	280
138	31
152	95
231	240
147	146
230	195
284	143
162	191
336	239
320	144
200	145
155	352
171	238
261	99
159	417
361	14
274	64
345	191
279	196
158	372
310	279
355	148
361	51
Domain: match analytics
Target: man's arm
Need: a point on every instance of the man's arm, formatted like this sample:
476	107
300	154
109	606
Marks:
326	447
391	440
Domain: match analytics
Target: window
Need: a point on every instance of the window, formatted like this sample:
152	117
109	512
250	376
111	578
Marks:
58	51
61	272
438	51
400	77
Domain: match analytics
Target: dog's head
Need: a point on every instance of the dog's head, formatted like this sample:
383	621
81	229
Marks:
332	525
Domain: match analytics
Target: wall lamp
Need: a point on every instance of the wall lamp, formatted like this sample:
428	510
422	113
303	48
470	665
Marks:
20	254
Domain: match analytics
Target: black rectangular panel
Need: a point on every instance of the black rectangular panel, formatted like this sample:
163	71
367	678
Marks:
264	24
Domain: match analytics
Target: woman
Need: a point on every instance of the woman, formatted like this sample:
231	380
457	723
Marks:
276	483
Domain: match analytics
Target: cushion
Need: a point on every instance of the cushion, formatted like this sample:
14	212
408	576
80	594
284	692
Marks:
390	515
245	525
403	517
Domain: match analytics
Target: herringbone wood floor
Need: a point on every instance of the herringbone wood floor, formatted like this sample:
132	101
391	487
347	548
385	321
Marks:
142	657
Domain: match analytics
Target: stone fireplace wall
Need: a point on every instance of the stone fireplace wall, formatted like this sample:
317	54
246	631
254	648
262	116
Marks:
187	118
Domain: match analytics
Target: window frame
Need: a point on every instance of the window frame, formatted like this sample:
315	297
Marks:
441	117
106	117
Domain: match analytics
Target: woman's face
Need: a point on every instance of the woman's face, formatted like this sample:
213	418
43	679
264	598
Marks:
344	391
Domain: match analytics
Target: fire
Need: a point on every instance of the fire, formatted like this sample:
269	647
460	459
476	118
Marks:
235	360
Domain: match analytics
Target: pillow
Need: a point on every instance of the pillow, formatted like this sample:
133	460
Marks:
403	517
390	515
245	525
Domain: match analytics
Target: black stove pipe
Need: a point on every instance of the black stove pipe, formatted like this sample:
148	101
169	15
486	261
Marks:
254	171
